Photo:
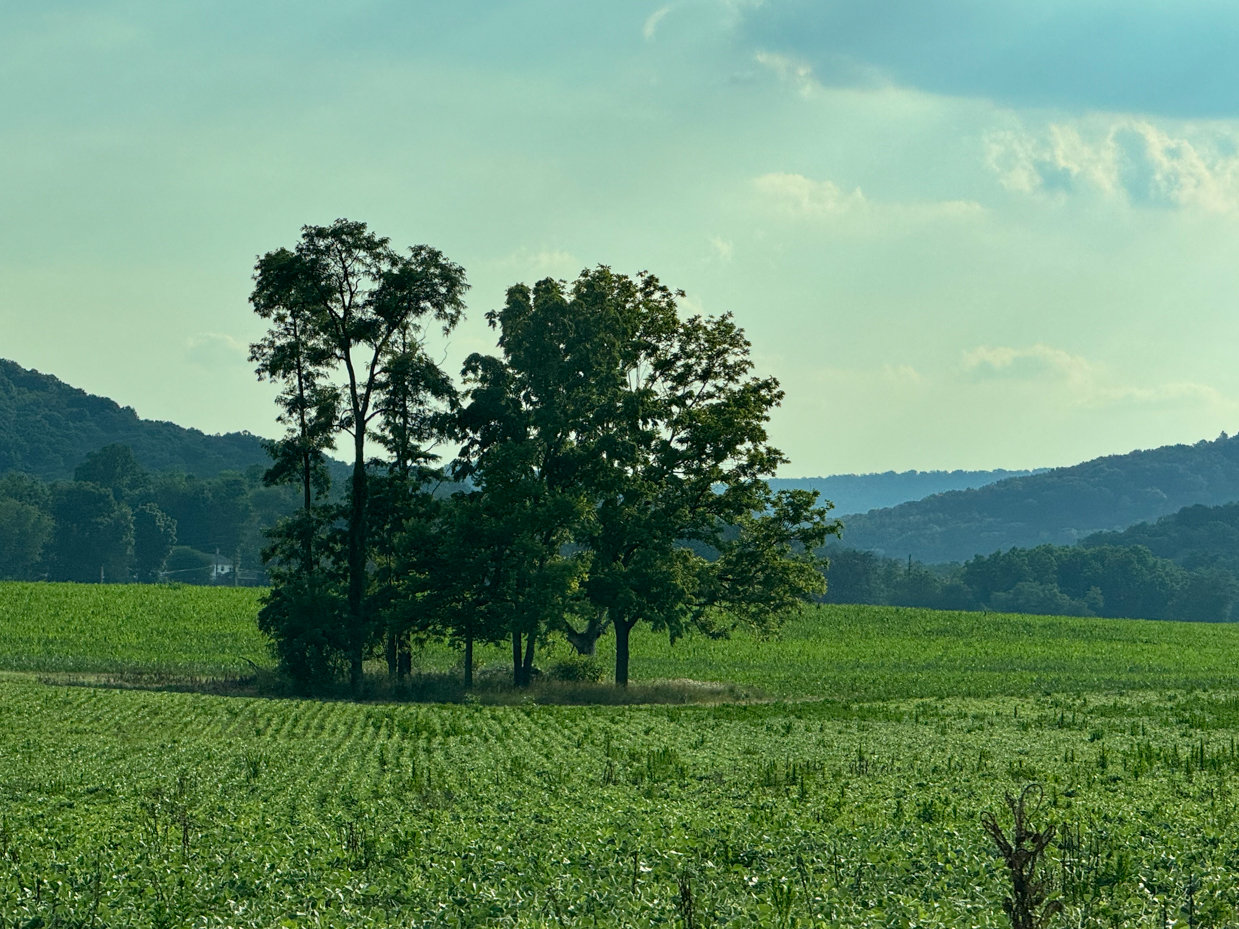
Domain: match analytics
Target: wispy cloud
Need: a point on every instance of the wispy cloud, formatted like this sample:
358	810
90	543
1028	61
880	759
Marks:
538	263
793	70
652	21
215	350
1081	382
797	196
1127	159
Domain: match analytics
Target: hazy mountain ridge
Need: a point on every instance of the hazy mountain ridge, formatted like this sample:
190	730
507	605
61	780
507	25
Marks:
859	493
1060	506
48	427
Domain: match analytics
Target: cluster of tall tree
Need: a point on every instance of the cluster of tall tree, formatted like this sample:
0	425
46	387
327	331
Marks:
1094	580
611	469
116	522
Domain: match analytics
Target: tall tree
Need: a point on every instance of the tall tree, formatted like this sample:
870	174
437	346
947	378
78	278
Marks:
631	442
154	534
686	455
24	531
93	535
360	301
293	354
530	425
115	467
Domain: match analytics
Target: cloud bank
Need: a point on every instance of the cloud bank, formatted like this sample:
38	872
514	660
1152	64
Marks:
1125	158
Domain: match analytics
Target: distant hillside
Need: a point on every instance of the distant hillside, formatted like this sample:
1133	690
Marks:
1194	537
1061	506
47	428
859	493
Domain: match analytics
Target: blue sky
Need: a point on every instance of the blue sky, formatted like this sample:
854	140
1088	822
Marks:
962	234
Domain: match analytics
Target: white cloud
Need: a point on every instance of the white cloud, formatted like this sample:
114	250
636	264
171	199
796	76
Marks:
797	196
1080	382
723	248
652	21
793	70
540	263
1126	158
215	350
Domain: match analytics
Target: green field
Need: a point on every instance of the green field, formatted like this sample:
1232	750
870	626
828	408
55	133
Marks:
839	652
150	809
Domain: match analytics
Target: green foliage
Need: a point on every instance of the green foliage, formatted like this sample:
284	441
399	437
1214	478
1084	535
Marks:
24	531
186	565
1195	537
627	450
47	429
154	535
1059	506
1099	580
116	468
227	513
344	306
574	667
93	535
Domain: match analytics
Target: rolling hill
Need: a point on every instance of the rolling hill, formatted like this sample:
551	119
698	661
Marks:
48	427
858	493
1061	506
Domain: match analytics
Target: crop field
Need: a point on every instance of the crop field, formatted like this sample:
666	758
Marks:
143	809
838	652
129	627
855	801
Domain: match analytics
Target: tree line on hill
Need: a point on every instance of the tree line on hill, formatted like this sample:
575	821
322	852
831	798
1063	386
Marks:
116	522
859	493
611	469
1058	507
1183	566
47	428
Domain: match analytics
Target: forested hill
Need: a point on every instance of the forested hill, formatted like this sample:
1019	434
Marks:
47	428
858	493
1194	537
1060	506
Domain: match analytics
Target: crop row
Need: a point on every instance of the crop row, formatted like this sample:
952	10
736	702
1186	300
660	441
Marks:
142	809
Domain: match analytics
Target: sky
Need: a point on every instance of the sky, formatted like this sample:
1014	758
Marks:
962	233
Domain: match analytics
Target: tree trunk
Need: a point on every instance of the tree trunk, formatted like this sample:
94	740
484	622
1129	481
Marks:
393	654
516	659
469	659
357	563
405	657
527	671
622	628
586	641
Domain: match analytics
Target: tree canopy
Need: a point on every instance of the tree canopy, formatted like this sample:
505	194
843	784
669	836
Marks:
612	465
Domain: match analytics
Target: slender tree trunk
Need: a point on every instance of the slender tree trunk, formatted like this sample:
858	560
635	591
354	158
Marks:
393	654
527	670
516	659
469	659
357	561
405	657
622	628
